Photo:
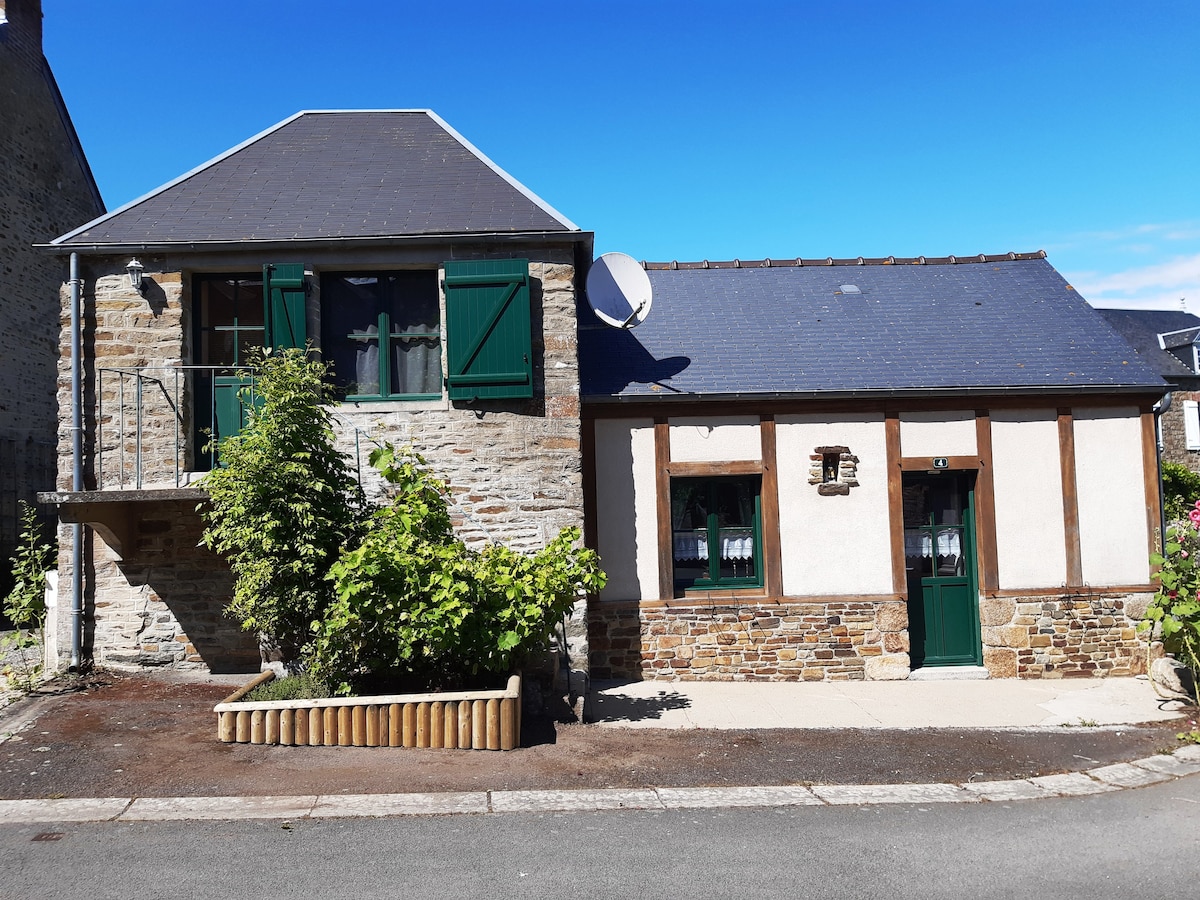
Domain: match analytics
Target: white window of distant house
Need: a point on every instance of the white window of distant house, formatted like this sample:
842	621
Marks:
1191	424
382	332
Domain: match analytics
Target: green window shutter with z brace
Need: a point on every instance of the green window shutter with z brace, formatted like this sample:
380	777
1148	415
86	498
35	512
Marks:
489	353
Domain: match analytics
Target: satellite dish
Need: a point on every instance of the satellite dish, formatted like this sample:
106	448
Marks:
618	290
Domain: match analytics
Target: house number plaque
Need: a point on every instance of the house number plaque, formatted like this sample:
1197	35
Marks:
941	462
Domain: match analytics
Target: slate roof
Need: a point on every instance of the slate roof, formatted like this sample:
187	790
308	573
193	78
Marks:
1141	328
326	175
1006	324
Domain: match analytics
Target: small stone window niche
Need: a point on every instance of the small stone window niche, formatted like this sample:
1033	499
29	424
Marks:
834	470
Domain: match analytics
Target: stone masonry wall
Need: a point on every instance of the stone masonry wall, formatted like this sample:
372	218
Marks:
1053	636
1064	636
45	190
1173	437
163	603
514	467
789	641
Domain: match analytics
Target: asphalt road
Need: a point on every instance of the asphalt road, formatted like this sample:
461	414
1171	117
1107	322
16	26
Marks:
1134	843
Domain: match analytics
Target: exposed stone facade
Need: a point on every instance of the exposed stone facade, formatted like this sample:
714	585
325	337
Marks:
828	641
848	640
1064	636
46	188
514	467
1174	439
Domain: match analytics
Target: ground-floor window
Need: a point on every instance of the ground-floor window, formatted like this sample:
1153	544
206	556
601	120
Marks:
716	531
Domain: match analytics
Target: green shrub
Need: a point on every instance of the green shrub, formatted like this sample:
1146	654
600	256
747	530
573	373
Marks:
413	599
1181	489
25	605
1175	610
283	503
352	594
293	687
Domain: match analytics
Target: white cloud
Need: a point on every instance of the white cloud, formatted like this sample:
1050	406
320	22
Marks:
1157	286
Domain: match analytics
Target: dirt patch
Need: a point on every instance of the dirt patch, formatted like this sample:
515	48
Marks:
135	735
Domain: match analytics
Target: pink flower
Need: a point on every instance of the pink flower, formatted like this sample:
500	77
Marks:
1183	553
1194	515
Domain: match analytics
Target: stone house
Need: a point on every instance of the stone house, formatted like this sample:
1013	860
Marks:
443	291
868	469
831	469
46	187
1169	341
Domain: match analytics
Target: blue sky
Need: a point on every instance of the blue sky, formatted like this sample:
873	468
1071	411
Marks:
694	130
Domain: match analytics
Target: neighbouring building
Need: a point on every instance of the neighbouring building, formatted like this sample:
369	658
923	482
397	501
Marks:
834	469
443	291
46	187
868	468
1169	341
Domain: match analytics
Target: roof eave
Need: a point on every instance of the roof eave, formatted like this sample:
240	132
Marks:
570	237
878	394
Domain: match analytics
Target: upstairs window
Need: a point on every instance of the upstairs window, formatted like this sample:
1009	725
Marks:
716	528
382	332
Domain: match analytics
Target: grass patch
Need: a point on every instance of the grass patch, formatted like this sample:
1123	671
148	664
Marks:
293	687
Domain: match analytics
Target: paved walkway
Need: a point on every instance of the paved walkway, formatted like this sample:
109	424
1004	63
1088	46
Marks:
993	703
937	704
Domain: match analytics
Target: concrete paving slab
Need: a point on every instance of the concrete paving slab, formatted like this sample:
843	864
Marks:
1003	791
993	703
173	809
77	809
1190	753
1073	784
714	798
1169	764
893	793
1127	776
375	805
573	801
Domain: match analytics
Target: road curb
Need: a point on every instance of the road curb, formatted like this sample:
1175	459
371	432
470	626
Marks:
1121	776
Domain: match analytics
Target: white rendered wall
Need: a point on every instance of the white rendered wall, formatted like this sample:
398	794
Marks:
937	433
727	439
1113	541
839	544
626	508
1031	550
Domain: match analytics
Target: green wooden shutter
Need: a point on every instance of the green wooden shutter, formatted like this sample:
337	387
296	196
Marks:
489	352
283	296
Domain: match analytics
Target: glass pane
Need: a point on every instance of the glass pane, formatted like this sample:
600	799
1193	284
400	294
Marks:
217	303
249	309
734	509
412	302
918	551
949	550
248	338
416	366
349	331
217	348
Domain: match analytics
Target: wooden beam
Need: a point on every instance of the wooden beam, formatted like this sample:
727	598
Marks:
925	463
985	504
713	469
1153	483
1070	492
662	481
895	489
772	552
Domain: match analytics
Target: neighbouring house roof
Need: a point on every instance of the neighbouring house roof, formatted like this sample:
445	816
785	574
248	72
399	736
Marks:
331	175
1153	333
1006	323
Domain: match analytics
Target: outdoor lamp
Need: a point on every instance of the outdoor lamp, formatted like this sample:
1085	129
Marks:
134	268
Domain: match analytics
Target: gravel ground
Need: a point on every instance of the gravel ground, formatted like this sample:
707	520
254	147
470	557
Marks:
150	734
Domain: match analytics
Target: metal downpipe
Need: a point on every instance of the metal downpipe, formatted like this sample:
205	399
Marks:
76	469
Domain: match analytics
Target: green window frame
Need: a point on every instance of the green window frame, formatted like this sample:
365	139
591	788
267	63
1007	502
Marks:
382	332
716	532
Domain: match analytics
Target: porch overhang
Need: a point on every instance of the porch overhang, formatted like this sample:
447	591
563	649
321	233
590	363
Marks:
115	515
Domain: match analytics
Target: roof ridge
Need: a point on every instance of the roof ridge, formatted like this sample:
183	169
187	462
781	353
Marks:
768	263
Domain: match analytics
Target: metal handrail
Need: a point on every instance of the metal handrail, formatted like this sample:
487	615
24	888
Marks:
171	385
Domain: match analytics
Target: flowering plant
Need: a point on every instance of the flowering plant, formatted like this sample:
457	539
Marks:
1175	609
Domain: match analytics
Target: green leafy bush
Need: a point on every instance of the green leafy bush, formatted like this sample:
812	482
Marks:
1175	610
1181	489
25	605
413	599
366	599
293	687
283	503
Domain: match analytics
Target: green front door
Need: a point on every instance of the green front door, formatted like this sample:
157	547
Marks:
939	555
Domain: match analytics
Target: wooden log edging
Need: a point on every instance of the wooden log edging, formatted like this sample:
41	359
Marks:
450	720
